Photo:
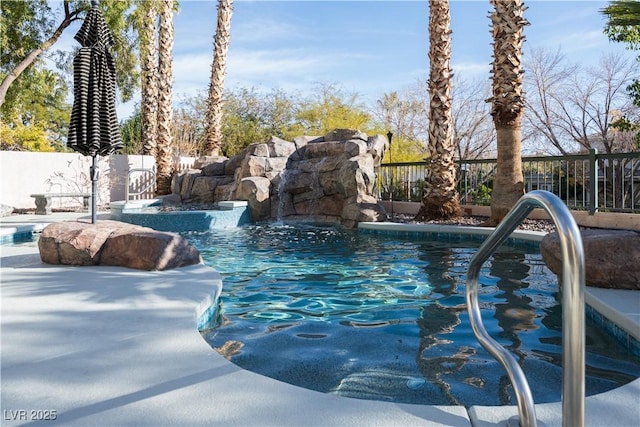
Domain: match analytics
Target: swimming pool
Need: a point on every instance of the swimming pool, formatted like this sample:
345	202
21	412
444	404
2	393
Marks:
383	317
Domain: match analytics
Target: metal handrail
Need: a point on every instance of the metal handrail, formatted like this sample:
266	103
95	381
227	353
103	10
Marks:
128	182
573	335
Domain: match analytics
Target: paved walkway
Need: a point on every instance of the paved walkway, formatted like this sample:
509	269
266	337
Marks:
108	346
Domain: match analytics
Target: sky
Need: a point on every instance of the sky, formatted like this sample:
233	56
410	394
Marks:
364	47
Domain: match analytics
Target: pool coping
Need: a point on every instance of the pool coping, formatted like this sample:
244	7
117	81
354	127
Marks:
407	229
228	214
159	370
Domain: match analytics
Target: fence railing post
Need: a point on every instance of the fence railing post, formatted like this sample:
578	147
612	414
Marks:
593	181
587	184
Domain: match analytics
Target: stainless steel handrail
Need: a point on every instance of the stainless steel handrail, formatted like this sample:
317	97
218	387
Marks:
573	278
128	183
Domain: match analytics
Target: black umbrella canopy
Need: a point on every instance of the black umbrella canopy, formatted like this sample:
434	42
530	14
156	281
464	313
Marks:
93	129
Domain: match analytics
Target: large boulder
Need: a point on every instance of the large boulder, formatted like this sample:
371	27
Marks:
344	134
115	243
203	189
214	167
184	183
612	257
362	209
280	148
203	161
324	149
255	190
148	250
253	166
73	243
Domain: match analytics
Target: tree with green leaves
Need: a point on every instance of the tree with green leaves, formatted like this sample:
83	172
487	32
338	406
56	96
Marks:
624	26
131	131
251	116
329	108
28	30
36	116
33	107
623	13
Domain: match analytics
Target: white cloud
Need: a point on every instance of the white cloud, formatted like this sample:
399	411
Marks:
192	67
288	69
471	69
263	30
287	66
275	62
575	41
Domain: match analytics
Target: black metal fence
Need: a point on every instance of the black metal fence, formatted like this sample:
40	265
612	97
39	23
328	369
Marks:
592	182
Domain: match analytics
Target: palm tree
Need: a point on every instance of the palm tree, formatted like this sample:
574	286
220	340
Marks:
507	105
440	200
213	133
148	64
164	148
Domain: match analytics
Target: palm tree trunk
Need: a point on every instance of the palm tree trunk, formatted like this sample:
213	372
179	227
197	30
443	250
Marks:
213	134
440	200
149	89
507	105
164	149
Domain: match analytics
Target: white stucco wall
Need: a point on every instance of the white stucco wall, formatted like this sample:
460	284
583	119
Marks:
24	173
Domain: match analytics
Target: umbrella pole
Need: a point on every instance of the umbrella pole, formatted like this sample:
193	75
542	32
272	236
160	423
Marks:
93	172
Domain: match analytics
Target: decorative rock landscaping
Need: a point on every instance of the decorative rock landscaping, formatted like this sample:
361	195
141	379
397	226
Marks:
328	178
612	257
115	243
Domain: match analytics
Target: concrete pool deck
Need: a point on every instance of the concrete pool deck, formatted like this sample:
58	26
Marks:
109	346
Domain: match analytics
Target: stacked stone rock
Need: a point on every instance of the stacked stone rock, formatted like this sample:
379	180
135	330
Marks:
326	179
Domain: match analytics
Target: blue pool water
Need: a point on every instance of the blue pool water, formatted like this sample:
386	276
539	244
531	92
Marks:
383	317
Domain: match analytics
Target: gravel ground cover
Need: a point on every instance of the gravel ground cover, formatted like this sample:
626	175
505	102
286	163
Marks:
477	221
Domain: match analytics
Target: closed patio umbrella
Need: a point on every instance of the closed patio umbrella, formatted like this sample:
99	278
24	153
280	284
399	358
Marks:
93	129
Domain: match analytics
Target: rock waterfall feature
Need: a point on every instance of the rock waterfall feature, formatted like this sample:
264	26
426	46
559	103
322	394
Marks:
322	179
